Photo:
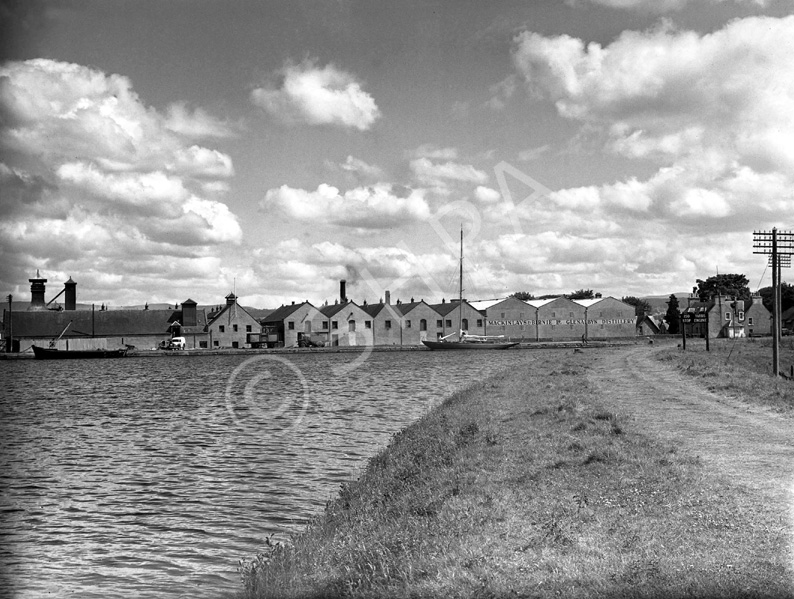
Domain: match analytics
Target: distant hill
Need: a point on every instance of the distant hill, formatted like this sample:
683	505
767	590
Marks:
658	303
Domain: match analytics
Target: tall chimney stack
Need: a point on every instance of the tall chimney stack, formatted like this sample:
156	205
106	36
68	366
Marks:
342	292
70	299
388	297
37	289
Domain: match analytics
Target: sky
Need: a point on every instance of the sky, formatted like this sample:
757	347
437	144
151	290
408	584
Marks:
160	150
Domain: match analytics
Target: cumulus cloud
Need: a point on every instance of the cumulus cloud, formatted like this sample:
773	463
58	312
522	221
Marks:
713	110
100	180
373	207
316	95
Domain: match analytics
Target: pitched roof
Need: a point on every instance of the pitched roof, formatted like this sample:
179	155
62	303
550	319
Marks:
408	306
283	312
100	323
332	310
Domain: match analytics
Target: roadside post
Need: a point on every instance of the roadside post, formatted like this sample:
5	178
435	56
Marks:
703	318
686	318
777	244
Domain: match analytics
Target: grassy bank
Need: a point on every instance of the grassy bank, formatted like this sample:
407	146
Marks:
525	485
740	368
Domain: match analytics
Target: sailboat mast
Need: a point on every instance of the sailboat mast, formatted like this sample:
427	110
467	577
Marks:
460	290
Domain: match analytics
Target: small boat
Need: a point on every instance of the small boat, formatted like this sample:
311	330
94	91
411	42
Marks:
51	353
464	340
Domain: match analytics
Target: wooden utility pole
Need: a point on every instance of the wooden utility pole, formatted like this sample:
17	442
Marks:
777	244
10	342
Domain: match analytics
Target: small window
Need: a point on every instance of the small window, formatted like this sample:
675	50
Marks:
221	329
521	315
216	343
554	315
234	328
248	328
407	324
449	324
439	324
388	324
570	314
291	325
479	323
741	315
325	325
203	344
727	316
750	321
423	325
367	324
335	324
503	314
235	344
465	324
351	326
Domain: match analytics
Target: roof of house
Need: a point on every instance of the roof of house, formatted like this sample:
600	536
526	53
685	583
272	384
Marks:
333	309
99	323
283	312
228	307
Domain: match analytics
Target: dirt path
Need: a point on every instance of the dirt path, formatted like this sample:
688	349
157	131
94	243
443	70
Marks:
753	445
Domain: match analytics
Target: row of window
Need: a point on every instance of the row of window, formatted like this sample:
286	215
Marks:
222	328
387	324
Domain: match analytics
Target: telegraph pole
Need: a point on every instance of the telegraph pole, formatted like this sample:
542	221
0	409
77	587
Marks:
10	342
777	244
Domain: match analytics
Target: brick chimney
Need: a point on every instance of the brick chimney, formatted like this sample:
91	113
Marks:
342	291
70	299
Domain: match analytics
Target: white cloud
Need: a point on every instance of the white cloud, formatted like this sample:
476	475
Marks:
713	110
659	6
487	195
195	123
102	183
430	173
359	167
372	207
434	152
318	96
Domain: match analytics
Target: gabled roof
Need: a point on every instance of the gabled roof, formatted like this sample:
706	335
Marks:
214	317
332	310
283	312
408	306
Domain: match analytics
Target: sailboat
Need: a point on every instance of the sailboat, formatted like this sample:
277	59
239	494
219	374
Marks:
464	340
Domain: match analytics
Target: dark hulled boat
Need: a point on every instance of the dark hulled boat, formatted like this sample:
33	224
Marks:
50	353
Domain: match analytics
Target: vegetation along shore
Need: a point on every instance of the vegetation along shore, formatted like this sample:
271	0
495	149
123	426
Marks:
640	471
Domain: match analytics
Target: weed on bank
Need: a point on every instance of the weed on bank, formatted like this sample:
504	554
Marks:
525	486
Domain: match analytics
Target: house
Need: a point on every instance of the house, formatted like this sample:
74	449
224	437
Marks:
349	324
386	321
232	326
454	314
104	329
727	317
296	325
419	322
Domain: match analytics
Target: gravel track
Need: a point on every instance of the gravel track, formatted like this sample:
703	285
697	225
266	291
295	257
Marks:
751	444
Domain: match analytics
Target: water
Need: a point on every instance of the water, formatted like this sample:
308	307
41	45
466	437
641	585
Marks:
153	477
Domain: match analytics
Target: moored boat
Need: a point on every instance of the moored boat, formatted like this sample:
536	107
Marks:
51	353
464	340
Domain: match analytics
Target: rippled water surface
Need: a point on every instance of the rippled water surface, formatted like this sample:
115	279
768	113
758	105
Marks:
148	477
